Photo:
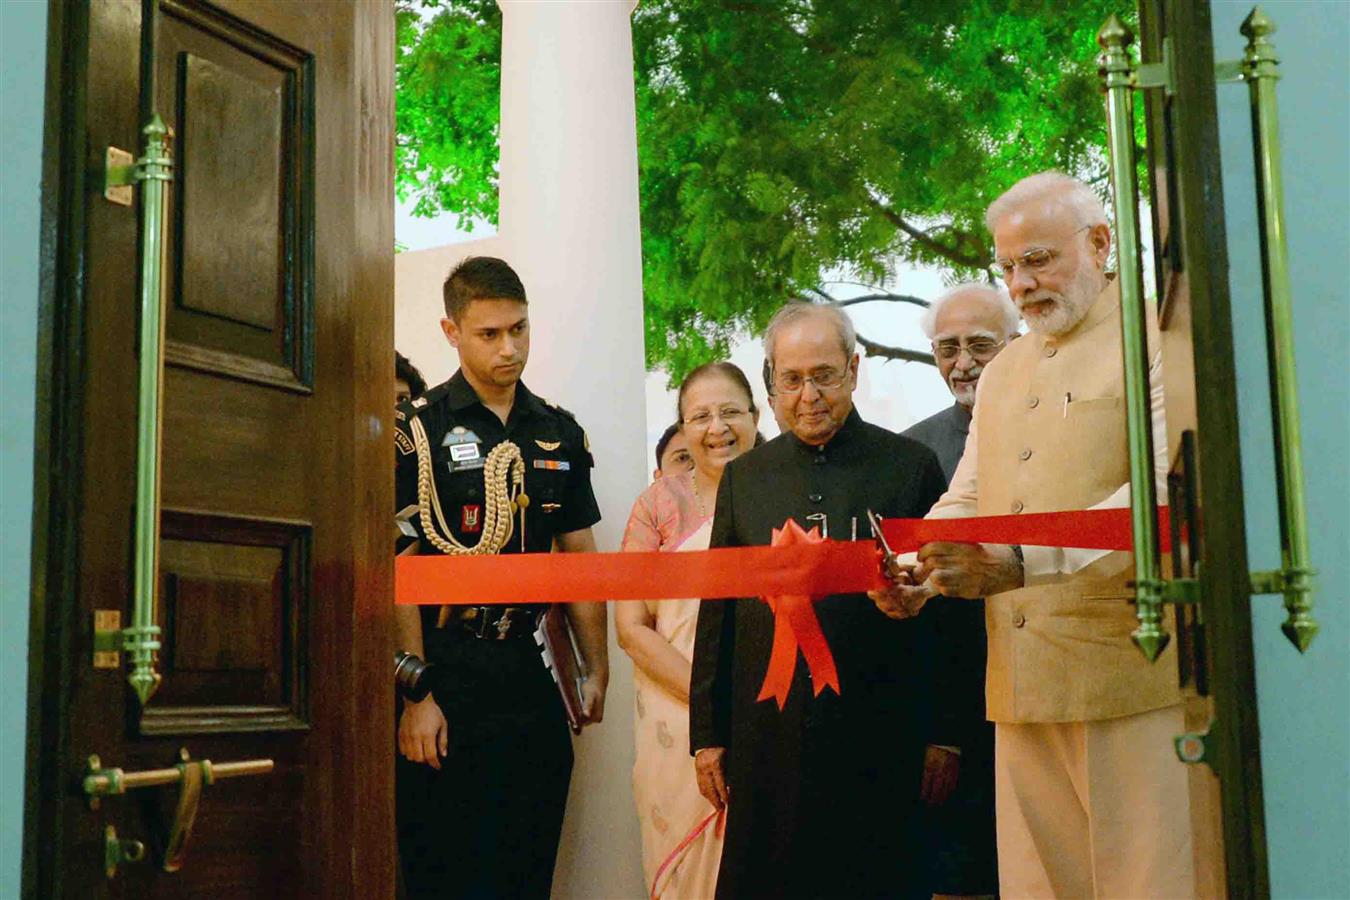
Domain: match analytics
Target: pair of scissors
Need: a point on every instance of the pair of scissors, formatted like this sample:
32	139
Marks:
890	566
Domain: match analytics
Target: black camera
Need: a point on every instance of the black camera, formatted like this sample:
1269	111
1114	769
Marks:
410	676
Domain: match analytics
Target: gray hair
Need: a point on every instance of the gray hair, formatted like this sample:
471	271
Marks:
998	300
796	310
1072	193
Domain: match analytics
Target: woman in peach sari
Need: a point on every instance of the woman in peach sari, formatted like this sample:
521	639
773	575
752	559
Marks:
717	415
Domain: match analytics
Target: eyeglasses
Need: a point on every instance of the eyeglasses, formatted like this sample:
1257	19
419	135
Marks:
980	348
1033	261
704	417
824	379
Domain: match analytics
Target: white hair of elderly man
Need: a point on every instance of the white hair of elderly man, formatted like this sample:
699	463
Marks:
1070	191
999	303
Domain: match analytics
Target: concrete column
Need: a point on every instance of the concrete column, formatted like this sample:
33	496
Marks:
569	224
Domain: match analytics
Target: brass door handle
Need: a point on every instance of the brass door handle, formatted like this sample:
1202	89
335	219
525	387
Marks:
1119	79
1294	578
151	172
191	775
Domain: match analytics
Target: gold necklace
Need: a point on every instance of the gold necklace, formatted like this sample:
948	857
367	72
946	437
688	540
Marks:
698	496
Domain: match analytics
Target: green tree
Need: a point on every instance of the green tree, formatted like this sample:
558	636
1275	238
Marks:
448	88
782	139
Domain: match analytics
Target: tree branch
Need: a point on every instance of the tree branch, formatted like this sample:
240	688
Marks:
924	239
872	348
890	298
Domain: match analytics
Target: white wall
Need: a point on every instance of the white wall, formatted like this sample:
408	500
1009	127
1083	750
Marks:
569	210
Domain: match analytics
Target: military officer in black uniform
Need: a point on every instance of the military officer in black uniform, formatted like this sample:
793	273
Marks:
485	465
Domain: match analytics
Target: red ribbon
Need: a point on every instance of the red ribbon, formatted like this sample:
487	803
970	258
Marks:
795	568
795	627
720	816
1090	529
819	569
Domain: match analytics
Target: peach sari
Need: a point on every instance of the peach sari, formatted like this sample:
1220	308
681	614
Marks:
669	805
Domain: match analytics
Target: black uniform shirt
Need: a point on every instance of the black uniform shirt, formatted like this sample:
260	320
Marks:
557	465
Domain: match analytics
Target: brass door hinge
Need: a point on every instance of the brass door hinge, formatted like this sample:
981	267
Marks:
107	639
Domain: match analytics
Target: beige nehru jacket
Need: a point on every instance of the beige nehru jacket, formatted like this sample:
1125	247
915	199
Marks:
1049	434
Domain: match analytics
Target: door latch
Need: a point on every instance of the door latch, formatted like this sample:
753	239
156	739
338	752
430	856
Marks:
117	851
191	775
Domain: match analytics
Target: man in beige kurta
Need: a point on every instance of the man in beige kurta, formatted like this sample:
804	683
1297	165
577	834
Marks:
1090	799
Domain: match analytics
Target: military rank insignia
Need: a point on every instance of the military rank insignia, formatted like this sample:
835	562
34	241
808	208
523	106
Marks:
464	450
553	465
471	518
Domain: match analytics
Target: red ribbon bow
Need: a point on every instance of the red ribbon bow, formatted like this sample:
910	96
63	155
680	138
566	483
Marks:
795	627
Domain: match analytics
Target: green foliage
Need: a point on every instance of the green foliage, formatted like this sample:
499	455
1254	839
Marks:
782	139
448	77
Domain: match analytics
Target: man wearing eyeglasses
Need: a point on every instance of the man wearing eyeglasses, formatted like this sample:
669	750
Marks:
968	325
822	794
1091	800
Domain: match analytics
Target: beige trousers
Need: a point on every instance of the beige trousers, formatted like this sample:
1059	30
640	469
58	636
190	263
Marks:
1093	809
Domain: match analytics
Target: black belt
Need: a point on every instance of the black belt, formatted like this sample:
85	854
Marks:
496	623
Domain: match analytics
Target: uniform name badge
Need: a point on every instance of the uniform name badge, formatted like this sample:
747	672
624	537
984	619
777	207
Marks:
463	445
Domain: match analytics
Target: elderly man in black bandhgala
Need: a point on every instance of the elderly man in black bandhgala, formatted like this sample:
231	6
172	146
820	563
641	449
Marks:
822	796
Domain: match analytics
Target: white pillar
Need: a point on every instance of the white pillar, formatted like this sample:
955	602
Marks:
569	222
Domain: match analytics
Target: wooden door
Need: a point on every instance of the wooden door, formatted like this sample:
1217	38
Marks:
275	553
1190	287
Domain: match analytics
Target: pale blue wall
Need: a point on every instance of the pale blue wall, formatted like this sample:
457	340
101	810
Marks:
1303	702
23	39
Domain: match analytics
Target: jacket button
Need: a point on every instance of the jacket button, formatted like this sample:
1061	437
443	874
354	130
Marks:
1050	351
1018	506
1025	454
1019	620
814	498
1033	402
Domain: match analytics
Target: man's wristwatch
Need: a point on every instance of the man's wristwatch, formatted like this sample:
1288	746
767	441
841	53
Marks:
410	676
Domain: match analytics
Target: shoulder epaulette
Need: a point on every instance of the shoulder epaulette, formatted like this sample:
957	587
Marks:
571	417
410	408
556	408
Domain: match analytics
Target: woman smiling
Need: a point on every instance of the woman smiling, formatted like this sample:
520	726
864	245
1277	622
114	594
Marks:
717	416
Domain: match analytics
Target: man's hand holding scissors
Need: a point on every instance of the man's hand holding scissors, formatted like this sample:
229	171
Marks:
904	599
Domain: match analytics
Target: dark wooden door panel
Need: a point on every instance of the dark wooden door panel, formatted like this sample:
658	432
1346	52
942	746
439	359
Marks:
275	560
224	427
235	612
241	102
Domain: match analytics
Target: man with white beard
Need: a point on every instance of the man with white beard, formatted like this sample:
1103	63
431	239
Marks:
1091	799
967	326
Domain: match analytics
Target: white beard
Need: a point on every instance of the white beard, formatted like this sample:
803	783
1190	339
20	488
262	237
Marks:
965	393
1066	309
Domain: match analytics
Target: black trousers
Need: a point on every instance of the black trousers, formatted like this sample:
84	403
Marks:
961	846
487	824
